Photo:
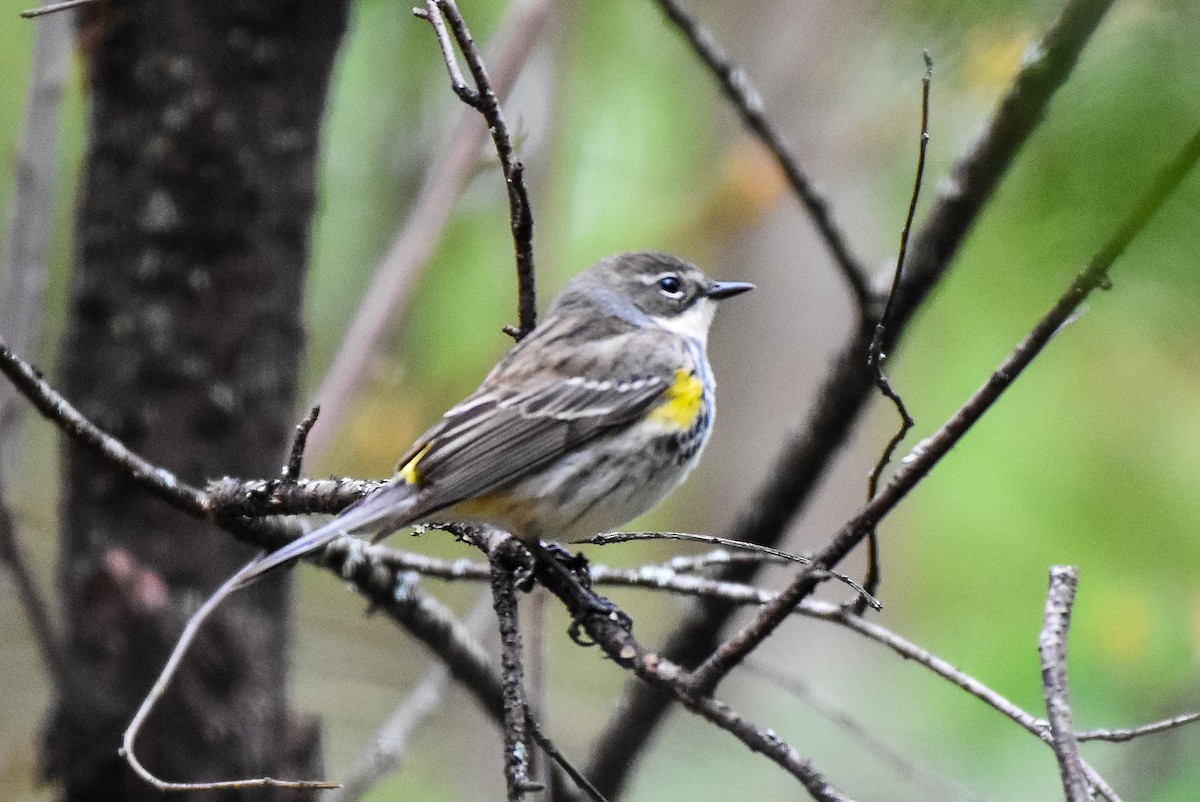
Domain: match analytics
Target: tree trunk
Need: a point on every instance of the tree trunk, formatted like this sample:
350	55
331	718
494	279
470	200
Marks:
184	341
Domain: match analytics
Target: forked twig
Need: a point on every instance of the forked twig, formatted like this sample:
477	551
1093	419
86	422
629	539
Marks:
483	98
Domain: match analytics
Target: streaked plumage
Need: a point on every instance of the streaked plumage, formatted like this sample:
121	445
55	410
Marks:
588	422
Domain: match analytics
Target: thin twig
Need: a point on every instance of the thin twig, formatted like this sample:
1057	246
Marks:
483	98
294	468
159	688
928	453
552	751
1128	734
789	481
610	538
719	558
749	104
875	355
1052	648
159	481
413	243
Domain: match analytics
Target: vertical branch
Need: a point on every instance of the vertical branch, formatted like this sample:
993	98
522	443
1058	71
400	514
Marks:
504	602
1052	648
483	99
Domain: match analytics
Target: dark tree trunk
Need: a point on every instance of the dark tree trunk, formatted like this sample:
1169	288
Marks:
184	341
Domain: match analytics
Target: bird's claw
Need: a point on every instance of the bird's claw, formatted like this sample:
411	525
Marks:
602	608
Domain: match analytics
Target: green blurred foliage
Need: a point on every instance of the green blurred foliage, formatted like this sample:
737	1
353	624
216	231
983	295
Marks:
1093	457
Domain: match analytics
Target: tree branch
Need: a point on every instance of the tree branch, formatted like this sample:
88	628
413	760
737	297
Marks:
504	601
875	355
1052	647
483	98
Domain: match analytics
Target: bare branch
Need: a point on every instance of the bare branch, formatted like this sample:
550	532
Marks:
1122	735
610	538
158	481
1052	647
929	452
875	355
749	104
414	242
612	633
483	98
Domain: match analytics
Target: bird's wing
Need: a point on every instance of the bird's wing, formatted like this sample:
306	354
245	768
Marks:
496	438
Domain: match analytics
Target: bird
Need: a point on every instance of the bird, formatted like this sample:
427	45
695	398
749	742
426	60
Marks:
589	421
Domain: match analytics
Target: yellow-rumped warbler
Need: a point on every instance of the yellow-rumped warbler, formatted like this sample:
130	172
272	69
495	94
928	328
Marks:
588	422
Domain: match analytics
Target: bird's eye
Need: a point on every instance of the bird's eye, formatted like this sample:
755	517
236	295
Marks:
671	285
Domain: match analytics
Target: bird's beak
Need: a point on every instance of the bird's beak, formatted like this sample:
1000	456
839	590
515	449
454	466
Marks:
728	289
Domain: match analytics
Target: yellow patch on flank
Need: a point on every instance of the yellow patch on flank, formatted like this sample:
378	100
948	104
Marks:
409	472
682	402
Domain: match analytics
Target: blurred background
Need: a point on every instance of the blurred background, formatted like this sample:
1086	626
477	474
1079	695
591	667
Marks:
1092	459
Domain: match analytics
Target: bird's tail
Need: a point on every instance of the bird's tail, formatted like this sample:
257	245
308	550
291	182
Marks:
391	506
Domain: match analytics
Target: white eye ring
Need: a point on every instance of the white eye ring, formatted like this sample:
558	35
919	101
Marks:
670	285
